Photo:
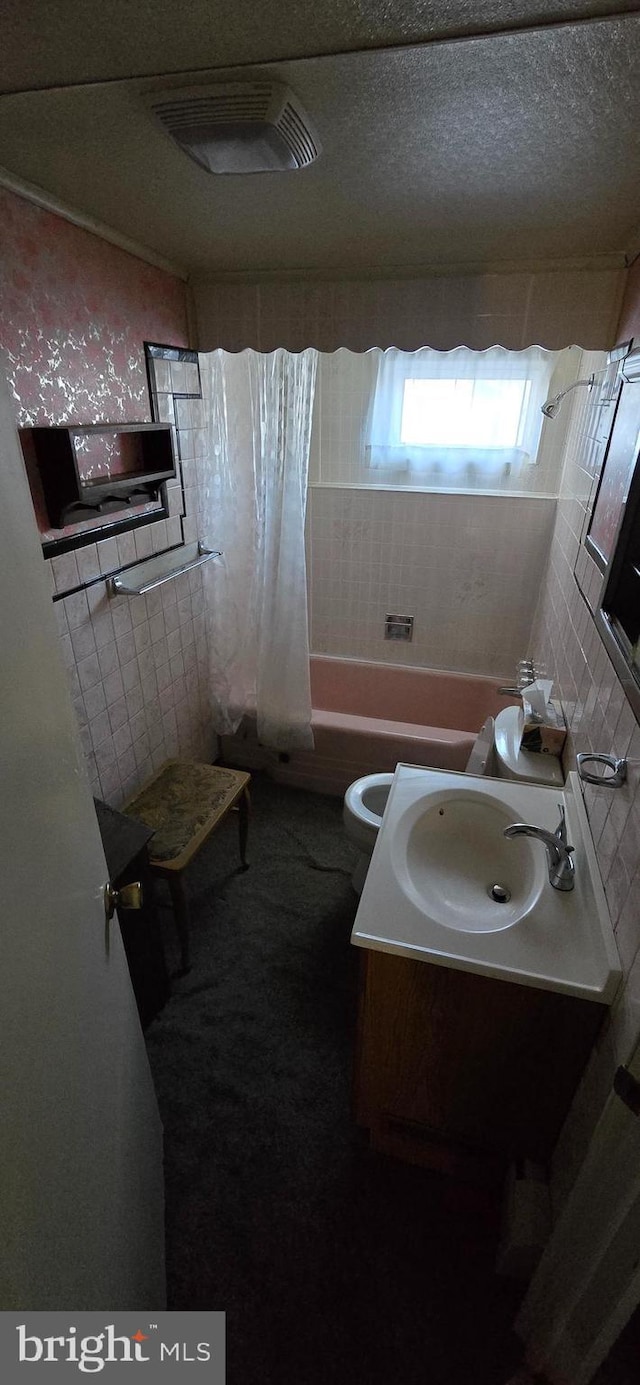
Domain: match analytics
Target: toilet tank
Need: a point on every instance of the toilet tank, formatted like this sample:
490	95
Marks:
513	763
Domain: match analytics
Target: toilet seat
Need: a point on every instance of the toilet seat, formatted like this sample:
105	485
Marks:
362	813
367	798
481	759
523	765
364	805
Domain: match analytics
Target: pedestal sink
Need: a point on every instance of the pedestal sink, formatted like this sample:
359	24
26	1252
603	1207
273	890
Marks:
453	859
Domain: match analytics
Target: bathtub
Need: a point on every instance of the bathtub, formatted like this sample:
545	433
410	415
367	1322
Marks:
368	716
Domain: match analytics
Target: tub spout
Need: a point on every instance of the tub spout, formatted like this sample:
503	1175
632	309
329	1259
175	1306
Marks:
515	692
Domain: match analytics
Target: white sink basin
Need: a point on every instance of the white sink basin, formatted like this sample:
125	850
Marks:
440	851
451	856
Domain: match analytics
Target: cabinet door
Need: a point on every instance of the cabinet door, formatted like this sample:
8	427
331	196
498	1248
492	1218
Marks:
482	1063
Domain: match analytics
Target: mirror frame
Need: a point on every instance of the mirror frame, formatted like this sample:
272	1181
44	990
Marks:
622	489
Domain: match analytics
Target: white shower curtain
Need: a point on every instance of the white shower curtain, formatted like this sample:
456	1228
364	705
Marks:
253	488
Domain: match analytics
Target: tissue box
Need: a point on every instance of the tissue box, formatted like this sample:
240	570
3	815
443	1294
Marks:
545	737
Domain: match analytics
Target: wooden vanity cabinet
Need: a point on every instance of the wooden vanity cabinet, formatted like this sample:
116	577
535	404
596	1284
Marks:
463	1072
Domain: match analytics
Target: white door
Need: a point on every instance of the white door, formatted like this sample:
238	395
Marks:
81	1192
588	1281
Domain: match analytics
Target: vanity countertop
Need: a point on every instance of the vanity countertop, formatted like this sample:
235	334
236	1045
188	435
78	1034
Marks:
563	942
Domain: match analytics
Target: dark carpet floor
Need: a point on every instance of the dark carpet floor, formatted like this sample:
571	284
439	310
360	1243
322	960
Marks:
333	1264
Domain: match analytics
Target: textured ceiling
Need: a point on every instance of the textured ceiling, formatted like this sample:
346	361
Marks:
80	42
515	146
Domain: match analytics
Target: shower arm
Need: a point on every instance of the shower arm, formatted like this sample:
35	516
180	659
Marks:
551	407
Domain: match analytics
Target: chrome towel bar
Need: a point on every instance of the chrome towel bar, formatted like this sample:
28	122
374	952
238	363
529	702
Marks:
116	586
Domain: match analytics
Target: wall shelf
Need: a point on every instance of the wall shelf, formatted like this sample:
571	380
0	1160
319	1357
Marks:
154	572
90	470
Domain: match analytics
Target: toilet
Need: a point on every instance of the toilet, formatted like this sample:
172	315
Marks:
495	752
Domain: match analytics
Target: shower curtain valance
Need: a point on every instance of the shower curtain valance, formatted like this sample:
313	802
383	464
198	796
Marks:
552	308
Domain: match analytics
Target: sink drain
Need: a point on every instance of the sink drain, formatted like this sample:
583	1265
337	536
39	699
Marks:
499	893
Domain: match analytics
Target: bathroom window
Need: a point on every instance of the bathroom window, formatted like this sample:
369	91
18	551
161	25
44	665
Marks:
464	415
461	421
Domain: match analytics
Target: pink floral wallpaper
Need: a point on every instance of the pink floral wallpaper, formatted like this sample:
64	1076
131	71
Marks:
74	313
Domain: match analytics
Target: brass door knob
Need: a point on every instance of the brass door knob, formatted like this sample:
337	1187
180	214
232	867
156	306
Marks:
129	897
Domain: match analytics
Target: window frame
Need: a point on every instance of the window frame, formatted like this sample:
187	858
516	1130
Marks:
385	451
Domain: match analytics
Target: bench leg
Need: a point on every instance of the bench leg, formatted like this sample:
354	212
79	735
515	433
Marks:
181	914
243	826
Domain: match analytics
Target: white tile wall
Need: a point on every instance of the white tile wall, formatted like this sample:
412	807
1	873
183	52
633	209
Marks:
453	562
467	568
600	719
138	666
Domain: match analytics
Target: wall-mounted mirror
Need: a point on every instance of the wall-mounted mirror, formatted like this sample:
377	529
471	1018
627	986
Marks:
615	476
616	525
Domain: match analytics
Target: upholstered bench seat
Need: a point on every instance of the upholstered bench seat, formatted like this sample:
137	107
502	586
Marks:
183	804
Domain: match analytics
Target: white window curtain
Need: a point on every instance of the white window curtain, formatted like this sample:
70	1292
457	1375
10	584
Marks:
465	417
252	505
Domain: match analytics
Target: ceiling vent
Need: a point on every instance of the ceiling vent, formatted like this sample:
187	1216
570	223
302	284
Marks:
238	127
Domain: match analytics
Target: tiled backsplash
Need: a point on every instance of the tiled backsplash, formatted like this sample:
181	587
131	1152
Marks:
467	568
601	720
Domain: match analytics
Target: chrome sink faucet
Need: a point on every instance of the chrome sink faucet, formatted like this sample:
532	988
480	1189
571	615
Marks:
559	854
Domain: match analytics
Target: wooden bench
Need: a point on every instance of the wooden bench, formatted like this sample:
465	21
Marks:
183	804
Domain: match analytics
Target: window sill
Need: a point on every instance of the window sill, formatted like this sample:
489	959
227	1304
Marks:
432	490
